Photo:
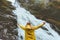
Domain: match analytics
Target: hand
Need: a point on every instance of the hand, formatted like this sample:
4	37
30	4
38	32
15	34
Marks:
18	24
44	22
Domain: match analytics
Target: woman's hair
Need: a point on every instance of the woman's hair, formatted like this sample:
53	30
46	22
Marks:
28	23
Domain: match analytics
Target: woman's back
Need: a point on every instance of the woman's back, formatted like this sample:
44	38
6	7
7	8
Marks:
29	34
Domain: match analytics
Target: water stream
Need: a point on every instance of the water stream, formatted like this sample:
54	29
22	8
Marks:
24	16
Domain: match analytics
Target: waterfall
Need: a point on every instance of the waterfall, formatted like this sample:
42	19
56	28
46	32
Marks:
24	16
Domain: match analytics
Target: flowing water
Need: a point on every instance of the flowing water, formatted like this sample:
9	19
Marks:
24	16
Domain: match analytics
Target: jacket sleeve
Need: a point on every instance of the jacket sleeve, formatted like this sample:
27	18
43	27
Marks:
39	26
21	26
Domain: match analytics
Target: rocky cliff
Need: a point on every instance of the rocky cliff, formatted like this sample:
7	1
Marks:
7	21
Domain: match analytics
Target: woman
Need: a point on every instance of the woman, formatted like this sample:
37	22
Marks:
29	30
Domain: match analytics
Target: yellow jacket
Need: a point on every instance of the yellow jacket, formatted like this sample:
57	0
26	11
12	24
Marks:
29	32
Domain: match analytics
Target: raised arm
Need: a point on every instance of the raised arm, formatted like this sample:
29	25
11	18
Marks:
21	26
36	27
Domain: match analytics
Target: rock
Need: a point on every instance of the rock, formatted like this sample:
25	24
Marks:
0	39
7	21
